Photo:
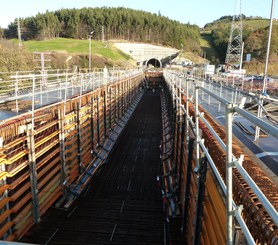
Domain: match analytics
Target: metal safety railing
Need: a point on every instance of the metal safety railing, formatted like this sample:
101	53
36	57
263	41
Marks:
51	87
193	90
51	151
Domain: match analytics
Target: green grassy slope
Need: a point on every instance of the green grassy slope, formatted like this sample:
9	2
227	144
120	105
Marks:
208	48
251	24
75	46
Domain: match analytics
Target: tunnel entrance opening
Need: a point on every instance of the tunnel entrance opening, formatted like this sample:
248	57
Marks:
154	62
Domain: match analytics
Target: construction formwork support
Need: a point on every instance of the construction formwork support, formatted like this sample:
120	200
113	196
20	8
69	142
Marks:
48	155
181	155
187	186
202	172
61	118
222	161
79	139
197	130
229	174
33	171
32	158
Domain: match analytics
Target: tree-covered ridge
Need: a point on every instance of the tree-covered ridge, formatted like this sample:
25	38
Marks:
116	23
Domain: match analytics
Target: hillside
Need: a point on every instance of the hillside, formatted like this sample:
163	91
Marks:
64	33
76	46
208	49
62	53
215	37
107	23
218	32
247	23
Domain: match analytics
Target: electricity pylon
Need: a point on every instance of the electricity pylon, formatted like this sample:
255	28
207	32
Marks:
234	50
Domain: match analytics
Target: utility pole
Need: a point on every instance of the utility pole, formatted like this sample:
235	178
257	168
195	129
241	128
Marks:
102	33
261	98
19	33
90	51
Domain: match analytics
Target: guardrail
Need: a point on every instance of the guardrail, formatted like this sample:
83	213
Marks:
22	89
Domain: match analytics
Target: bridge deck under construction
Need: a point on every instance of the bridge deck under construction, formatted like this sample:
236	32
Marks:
123	203
117	165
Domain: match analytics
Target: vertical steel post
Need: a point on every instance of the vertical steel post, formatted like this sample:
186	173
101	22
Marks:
181	124
16	92
110	107
181	156
122	97
118	100
180	103
59	92
229	173
236	94
79	144
98	121
74	79
187	186
173	121
197	124
209	94
61	118
232	99
32	159
92	122
220	94
41	90
187	113
79	129
203	84
105	112
202	172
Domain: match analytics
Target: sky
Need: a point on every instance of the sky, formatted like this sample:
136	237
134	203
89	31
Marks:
199	12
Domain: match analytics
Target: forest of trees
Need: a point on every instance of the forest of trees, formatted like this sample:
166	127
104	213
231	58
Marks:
141	26
117	23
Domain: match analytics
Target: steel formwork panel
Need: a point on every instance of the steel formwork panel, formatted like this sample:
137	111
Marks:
64	134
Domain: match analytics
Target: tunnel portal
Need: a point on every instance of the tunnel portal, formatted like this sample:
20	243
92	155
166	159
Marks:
154	62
